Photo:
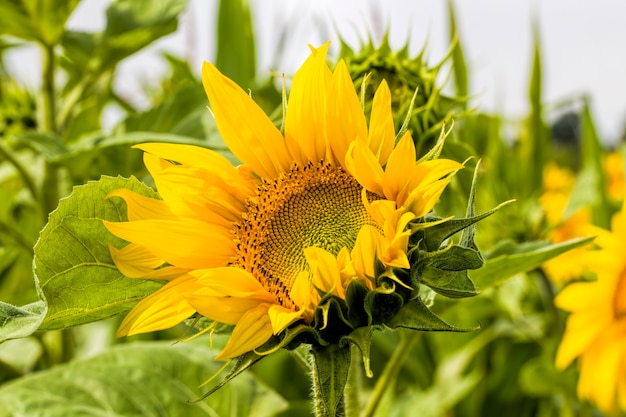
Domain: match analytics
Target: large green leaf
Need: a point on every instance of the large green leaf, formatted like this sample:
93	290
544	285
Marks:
141	379
515	259
42	20
74	272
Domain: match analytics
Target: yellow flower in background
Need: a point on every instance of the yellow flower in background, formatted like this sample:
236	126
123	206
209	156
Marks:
614	169
596	327
558	185
306	213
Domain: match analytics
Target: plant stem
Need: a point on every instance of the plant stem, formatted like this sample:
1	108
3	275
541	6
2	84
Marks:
391	370
49	96
7	154
50	185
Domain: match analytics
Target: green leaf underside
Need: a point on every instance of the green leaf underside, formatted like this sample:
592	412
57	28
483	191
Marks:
17	322
141	379
75	274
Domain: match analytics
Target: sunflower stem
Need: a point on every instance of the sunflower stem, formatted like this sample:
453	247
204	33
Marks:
391	371
329	374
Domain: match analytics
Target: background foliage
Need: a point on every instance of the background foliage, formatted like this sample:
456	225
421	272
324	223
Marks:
53	140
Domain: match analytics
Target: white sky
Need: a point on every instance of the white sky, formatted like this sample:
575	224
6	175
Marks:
584	44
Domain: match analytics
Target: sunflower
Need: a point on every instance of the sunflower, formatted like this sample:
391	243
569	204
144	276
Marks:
613	165
596	328
558	184
306	213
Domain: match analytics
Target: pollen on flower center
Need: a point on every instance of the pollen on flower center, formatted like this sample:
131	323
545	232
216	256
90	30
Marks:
316	205
619	301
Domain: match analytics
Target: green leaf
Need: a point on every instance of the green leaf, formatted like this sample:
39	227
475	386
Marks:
17	322
46	144
132	25
182	113
236	56
499	268
150	379
331	365
41	20
74	272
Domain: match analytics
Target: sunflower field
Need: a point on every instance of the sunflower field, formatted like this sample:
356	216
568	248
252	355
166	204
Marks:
353	238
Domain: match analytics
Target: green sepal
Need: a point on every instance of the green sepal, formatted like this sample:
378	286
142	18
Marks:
330	319
382	304
431	238
362	339
243	362
416	316
355	300
331	365
291	338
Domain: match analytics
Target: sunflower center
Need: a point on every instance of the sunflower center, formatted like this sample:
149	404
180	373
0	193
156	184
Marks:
316	205
619	300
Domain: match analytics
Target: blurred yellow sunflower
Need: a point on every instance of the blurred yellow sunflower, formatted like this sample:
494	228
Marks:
596	327
257	246
558	184
614	170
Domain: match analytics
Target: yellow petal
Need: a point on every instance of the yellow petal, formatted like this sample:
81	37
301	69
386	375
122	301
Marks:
281	317
140	207
325	270
304	295
226	294
399	166
422	199
189	155
198	192
252	331
227	310
163	309
364	251
600	367
581	331
364	166
186	243
135	261
583	296
231	282
307	105
381	130
244	126
345	120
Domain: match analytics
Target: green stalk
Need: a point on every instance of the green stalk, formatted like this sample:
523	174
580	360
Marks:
391	371
7	154
50	185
